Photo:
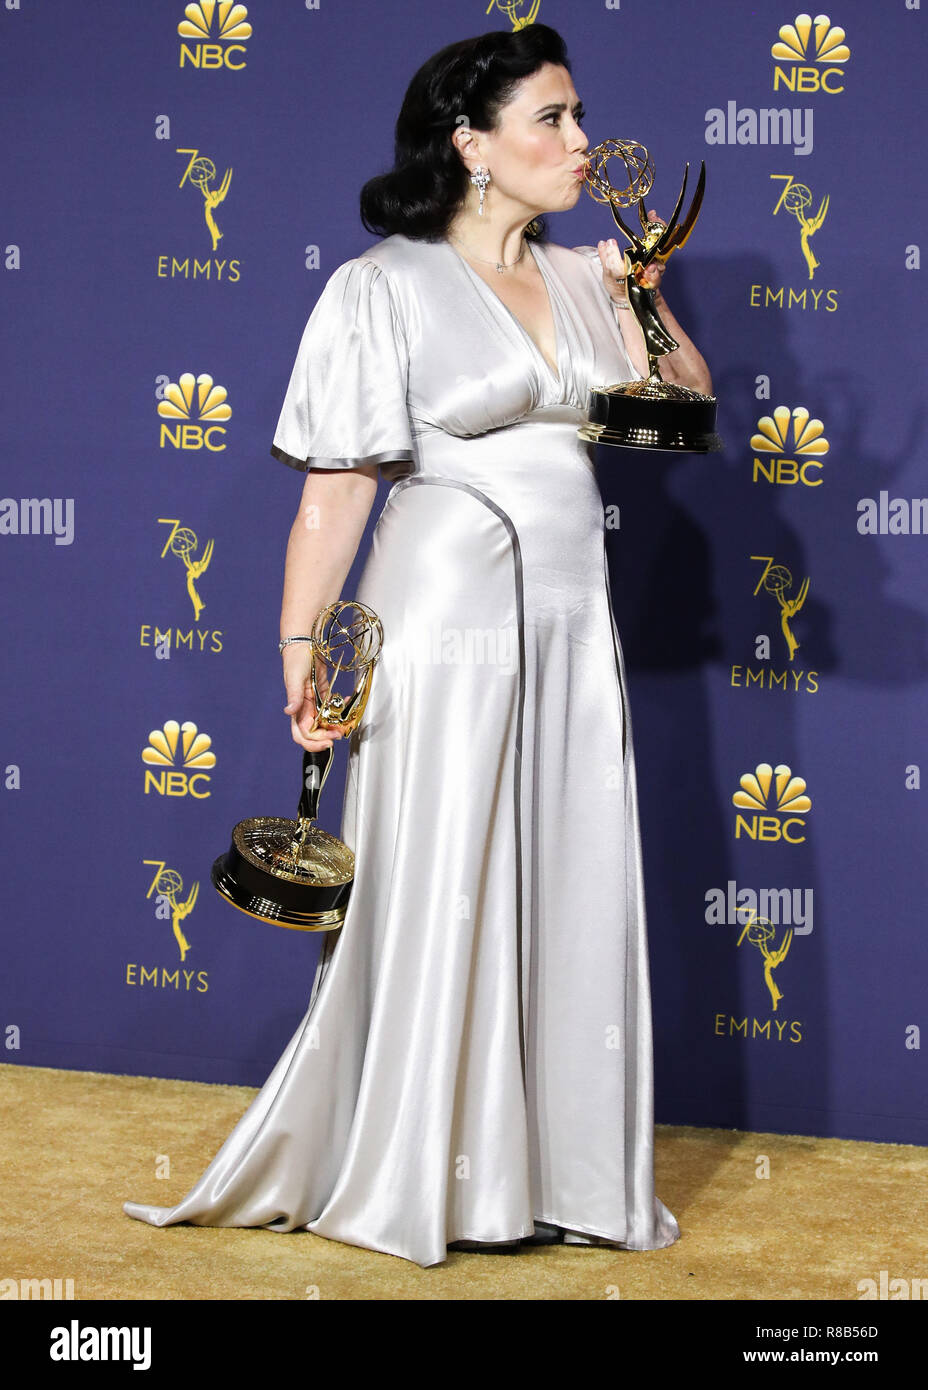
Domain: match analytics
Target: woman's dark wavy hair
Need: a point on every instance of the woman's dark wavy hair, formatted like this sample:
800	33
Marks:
473	78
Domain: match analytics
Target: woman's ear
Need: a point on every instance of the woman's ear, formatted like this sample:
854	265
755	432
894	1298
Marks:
465	143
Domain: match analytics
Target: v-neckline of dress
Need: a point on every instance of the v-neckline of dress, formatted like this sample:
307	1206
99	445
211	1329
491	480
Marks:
555	376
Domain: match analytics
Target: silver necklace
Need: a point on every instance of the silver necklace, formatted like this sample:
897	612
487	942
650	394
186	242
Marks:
500	265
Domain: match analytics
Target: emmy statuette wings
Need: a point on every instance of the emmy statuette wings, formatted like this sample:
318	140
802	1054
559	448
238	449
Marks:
652	413
290	872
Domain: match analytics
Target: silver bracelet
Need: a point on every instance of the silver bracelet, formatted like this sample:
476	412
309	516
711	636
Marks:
287	640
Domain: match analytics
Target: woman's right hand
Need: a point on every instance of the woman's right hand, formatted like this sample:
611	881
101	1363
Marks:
301	706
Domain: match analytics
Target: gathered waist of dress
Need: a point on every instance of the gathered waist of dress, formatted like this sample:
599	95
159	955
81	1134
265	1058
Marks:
541	449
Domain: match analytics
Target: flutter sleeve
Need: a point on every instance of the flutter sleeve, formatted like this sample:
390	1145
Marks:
346	401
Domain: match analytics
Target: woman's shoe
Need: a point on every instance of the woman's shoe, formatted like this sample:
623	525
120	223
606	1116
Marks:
545	1234
581	1238
496	1247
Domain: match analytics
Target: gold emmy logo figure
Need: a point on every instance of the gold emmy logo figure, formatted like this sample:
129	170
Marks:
760	932
776	579
795	198
182	542
169	884
201	172
510	9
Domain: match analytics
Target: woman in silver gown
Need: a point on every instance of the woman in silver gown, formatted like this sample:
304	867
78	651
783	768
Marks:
474	1068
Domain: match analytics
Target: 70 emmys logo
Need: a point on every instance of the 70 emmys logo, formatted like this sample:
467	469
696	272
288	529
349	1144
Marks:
777	581
192	398
786	796
817	40
230	28
201	173
797	200
761	933
178	743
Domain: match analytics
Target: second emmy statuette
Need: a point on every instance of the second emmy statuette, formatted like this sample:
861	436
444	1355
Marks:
289	872
651	413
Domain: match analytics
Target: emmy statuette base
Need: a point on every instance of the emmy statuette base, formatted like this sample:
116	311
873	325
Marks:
287	873
267	910
652	414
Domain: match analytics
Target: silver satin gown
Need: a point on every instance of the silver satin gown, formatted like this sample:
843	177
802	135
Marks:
476	1055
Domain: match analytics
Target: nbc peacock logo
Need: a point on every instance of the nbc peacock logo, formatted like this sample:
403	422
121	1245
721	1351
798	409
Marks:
813	51
190	411
769	790
791	445
213	34
176	757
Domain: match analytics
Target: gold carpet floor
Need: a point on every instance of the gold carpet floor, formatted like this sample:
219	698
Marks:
75	1145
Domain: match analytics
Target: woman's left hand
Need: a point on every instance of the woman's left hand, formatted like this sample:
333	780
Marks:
615	266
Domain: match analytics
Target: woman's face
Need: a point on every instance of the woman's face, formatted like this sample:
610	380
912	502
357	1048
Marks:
535	156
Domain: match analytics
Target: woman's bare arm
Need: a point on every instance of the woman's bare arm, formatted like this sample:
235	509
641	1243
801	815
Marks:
323	543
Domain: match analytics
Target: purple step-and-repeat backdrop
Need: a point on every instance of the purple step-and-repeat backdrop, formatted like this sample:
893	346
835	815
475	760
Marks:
178	184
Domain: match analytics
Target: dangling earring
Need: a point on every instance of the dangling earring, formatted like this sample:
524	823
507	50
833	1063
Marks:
480	178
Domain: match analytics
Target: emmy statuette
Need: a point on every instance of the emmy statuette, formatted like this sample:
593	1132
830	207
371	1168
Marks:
652	413
290	872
